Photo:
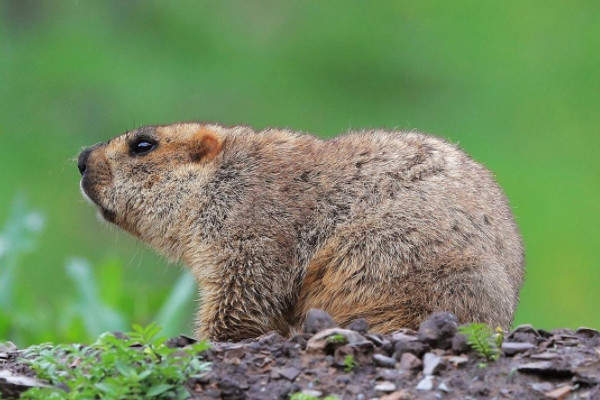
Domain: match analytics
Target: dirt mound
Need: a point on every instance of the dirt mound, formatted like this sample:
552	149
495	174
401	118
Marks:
434	363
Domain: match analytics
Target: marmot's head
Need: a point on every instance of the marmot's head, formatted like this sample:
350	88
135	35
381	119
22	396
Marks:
144	180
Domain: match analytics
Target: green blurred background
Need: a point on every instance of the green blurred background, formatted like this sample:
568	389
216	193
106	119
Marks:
516	84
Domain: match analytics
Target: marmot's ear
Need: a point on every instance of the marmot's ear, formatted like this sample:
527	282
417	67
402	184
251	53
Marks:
205	145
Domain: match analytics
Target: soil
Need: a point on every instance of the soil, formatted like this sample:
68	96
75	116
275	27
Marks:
433	363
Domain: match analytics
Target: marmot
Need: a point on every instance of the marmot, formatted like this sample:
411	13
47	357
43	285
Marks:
387	226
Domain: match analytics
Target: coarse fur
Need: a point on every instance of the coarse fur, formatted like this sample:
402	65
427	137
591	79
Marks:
387	226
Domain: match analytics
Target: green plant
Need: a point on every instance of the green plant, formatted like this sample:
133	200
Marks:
18	237
140	365
97	300
349	363
337	338
485	341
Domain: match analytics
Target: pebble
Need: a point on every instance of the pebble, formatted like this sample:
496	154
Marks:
376	339
410	361
290	373
180	341
438	330
320	341
559	393
409	346
524	333
404	336
316	321
431	363
546	368
512	348
444	388
398	395
425	384
460	345
385	386
14	380
312	393
587	332
458	360
547	355
384	361
542	387
359	325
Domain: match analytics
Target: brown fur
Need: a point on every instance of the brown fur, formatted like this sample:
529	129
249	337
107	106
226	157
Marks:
388	226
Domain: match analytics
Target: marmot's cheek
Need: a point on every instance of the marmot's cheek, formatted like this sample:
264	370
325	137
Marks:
95	192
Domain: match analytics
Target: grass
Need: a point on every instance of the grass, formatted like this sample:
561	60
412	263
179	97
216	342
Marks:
140	365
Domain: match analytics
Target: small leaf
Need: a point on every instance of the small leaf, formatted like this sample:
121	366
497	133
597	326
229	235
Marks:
158	389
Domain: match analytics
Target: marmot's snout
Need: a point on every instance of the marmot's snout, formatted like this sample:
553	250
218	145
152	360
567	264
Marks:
82	160
95	175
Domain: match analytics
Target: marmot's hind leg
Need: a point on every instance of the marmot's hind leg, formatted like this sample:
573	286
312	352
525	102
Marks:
352	279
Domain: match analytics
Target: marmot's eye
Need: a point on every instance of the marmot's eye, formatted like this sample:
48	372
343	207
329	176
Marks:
142	146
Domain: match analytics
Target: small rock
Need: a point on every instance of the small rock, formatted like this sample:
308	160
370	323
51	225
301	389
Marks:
404	335
359	325
589	334
524	333
542	387
300	339
458	360
290	373
12	384
317	320
388	347
385	386
409	346
512	348
559	393
8	347
388	374
376	339
460	345
384	361
313	393
545	368
439	329
270	339
425	384
547	355
409	361
398	395
444	388
180	341
322	342
431	363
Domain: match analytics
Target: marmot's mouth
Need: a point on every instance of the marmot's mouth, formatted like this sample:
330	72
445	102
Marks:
90	196
108	215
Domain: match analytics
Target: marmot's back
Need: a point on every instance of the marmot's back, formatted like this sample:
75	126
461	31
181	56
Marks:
387	226
427	229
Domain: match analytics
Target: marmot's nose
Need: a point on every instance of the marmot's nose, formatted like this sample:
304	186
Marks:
82	160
